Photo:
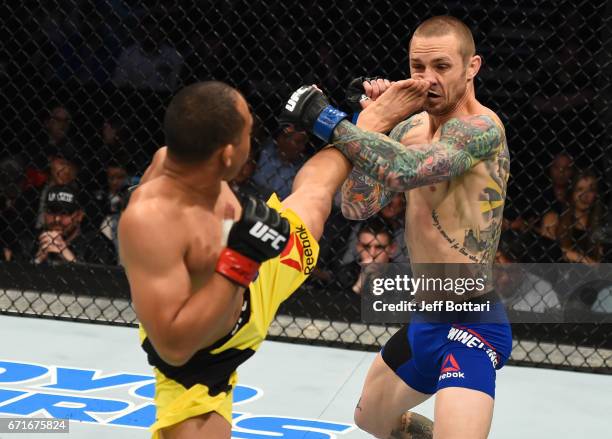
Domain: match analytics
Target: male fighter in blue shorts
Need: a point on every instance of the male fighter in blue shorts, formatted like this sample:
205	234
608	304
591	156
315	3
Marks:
452	162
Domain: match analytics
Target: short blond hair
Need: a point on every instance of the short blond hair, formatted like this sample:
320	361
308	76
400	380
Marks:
443	25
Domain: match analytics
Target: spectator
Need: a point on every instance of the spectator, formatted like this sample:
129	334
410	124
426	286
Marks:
56	129
374	245
12	224
393	216
577	226
110	147
552	198
62	240
280	159
151	62
63	170
111	201
522	290
243	185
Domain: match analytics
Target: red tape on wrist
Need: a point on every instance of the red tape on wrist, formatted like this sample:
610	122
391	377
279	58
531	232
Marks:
237	267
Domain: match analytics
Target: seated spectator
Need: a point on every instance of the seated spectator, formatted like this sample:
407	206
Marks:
520	289
54	136
110	202
280	159
393	217
64	165
577	226
111	146
62	239
12	224
151	62
243	185
551	198
374	245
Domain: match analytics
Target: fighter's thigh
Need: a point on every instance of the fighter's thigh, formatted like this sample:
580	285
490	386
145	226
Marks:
462	413
385	394
207	425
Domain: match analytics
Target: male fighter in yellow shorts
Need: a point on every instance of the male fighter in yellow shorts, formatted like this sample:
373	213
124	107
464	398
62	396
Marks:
205	297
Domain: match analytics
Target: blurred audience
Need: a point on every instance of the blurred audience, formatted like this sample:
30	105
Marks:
12	221
151	62
55	135
243	185
280	160
62	240
520	289
111	201
393	217
575	228
552	198
374	244
64	165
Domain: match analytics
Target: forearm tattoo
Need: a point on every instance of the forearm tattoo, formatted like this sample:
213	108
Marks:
362	196
463	142
414	426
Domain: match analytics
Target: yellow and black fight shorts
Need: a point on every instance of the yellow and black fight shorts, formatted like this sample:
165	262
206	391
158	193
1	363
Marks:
205	383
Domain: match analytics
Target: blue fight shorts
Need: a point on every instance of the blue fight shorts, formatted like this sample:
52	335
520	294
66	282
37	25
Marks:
463	350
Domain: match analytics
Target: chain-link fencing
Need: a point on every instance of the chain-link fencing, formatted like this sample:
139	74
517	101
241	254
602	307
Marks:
84	89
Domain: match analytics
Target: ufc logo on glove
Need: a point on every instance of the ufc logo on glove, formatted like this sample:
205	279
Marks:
265	233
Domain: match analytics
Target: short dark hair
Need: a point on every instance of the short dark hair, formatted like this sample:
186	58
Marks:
443	25
376	225
201	118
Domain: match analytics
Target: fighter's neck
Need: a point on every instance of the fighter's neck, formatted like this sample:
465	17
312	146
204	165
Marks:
195	181
465	106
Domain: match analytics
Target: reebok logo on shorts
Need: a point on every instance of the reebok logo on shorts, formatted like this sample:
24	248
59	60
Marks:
450	368
298	253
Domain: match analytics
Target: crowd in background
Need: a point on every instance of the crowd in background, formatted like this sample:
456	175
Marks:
62	192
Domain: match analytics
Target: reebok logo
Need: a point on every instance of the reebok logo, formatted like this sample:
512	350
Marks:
265	234
292	102
298	253
450	368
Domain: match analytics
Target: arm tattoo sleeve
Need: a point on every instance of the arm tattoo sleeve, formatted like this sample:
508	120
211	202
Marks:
463	142
363	196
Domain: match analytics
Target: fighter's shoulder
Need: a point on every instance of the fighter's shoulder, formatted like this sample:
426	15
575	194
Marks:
402	128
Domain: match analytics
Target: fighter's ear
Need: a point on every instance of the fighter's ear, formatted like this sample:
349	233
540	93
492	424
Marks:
226	155
473	66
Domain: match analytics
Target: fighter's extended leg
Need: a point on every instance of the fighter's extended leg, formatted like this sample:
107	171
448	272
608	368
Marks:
314	188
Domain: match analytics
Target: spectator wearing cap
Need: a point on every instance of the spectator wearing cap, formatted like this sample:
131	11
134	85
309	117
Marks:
64	167
280	160
62	240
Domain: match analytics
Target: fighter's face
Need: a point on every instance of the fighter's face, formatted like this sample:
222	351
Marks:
438	59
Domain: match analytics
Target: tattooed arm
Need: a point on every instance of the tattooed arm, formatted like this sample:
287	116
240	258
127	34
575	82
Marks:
363	196
464	142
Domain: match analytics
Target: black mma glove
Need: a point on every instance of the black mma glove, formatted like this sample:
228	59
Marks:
309	109
355	92
259	235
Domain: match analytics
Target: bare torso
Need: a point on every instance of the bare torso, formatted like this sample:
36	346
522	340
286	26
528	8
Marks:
197	226
456	221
